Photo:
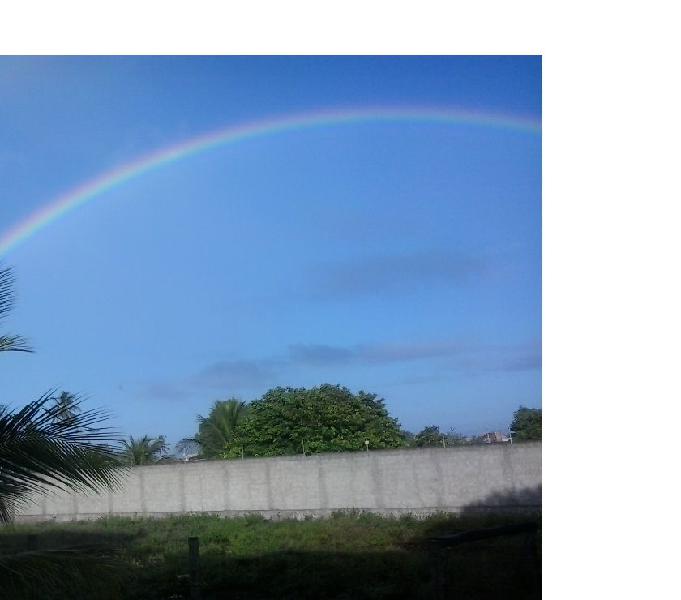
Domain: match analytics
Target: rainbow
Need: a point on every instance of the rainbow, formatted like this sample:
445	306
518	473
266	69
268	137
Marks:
90	189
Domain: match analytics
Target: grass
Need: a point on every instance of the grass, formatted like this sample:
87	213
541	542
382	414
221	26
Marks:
345	557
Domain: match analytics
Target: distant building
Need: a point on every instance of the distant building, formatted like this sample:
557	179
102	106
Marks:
494	437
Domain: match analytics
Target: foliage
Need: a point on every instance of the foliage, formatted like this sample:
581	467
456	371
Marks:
350	555
142	451
428	437
408	438
39	448
526	424
432	437
216	431
52	443
327	418
8	343
187	448
67	405
43	445
454	438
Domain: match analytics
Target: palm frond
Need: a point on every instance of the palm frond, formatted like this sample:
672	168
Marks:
6	290
216	431
142	451
14	343
40	449
9	343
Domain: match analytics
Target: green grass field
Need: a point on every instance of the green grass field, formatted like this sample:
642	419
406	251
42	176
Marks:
348	556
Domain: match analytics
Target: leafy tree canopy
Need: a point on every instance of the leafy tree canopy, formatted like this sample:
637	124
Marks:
526	424
428	437
431	436
327	418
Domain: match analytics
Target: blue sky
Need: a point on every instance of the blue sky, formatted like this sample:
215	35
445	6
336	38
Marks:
399	258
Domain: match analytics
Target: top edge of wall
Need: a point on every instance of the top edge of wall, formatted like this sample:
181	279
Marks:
498	447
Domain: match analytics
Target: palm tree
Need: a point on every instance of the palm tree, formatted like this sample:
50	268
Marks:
39	451
216	431
39	448
143	451
187	448
8	343
42	447
67	404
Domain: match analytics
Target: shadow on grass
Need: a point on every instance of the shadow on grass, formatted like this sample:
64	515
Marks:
414	568
59	564
481	572
346	557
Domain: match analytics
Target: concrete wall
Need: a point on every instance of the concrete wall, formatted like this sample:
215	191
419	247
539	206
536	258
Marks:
490	477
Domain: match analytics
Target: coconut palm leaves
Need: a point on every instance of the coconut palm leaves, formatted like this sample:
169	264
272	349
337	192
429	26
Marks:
40	448
143	451
49	442
216	431
14	343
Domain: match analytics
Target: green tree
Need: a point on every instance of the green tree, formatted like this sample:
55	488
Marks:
428	437
142	451
431	437
408	438
216	431
526	424
327	418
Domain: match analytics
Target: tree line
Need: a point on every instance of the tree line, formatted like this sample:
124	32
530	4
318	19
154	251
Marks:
54	441
285	421
326	418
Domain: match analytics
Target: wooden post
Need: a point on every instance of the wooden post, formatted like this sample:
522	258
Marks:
194	585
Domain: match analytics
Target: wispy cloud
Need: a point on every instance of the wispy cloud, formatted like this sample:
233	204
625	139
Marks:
380	275
225	376
462	356
524	358
443	358
499	358
241	374
319	354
